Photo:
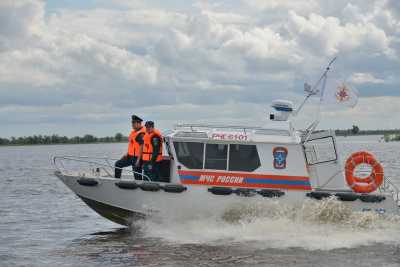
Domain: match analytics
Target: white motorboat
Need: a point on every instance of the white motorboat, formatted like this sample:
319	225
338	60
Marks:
209	168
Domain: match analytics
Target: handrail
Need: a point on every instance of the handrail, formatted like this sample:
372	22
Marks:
389	186
85	160
244	129
216	126
84	157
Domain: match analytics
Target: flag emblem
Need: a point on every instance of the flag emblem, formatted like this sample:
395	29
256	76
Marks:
280	155
342	93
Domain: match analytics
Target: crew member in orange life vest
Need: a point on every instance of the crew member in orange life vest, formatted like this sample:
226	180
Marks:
135	148
152	151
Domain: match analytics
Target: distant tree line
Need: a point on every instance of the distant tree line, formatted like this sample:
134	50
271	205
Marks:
392	137
355	130
57	139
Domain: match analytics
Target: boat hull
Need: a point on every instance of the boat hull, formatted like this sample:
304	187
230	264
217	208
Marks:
124	206
113	213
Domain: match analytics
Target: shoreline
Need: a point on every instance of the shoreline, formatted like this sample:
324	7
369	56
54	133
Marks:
54	144
125	141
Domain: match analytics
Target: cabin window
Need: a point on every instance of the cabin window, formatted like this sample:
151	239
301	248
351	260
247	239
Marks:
190	154
243	158
216	156
320	150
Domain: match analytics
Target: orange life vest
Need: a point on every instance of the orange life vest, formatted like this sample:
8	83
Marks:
148	146
133	146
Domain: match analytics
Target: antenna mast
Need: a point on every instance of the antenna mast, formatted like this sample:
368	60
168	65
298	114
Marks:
314	89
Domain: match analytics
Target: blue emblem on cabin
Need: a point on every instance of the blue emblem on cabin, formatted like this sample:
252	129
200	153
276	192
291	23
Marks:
280	155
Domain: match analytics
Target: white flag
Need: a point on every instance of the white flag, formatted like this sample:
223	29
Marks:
341	94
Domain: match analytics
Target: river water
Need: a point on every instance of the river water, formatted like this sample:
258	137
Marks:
42	223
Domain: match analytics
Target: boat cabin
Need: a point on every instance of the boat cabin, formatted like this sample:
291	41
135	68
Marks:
252	157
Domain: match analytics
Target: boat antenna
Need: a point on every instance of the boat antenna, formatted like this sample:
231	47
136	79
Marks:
313	90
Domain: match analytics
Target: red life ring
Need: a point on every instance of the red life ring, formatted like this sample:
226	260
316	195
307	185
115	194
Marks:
366	184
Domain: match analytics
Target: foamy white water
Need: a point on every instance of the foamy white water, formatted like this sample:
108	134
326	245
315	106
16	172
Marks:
316	225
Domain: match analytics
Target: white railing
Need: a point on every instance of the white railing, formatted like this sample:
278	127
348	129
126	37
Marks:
237	128
194	127
390	187
95	165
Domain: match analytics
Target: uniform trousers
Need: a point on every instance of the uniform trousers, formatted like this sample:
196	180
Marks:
125	162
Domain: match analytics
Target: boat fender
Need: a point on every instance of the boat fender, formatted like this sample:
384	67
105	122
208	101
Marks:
149	186
87	181
245	192
270	193
174	188
127	185
346	196
222	191
372	198
318	195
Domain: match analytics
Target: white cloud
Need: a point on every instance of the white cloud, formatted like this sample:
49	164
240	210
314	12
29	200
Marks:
264	44
394	7
228	17
361	78
330	36
29	66
195	62
19	20
299	5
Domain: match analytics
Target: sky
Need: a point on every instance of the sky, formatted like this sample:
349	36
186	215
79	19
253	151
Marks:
75	67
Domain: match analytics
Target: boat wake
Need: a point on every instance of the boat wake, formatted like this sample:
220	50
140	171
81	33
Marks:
315	225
